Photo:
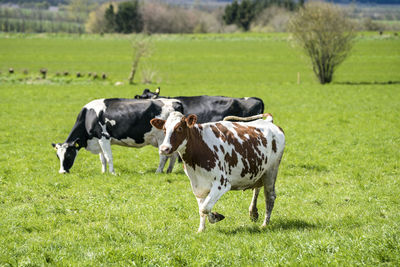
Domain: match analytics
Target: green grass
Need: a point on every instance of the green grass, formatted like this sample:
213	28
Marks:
337	190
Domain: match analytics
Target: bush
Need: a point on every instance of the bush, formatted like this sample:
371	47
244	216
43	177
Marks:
271	19
160	18
97	22
326	36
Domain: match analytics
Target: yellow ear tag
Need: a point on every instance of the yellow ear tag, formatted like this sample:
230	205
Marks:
76	145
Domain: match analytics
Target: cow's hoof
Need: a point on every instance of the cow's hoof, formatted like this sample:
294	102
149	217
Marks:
254	216
215	217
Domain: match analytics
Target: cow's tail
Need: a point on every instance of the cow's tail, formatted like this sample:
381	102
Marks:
267	116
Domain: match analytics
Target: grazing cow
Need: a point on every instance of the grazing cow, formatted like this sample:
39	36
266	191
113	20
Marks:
123	122
213	108
223	156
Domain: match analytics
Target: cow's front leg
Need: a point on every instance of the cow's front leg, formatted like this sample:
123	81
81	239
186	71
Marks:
253	212
103	162
172	160
161	164
202	225
105	145
217	190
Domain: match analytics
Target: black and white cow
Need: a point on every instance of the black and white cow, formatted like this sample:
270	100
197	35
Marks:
212	108
124	122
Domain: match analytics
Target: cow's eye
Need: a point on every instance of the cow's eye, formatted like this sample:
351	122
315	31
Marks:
179	129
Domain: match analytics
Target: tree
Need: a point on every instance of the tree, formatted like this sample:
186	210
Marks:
245	14
97	22
110	21
142	47
231	13
240	14
326	36
128	18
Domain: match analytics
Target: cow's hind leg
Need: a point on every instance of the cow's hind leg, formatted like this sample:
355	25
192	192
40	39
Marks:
103	162
105	145
172	160
269	192
253	211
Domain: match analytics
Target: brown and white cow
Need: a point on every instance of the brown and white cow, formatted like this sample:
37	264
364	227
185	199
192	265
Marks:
223	156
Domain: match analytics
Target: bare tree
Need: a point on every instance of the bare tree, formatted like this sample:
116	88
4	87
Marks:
325	34
141	48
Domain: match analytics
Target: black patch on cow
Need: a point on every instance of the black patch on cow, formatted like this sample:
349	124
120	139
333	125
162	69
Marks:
132	117
214	108
69	157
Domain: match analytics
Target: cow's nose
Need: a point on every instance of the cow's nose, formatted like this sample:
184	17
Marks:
164	149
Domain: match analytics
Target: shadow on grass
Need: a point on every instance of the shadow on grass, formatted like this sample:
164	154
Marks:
133	171
368	83
279	225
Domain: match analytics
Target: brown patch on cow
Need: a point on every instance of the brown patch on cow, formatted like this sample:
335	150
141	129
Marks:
274	145
178	135
215	148
246	147
197	151
215	131
222	148
231	160
219	188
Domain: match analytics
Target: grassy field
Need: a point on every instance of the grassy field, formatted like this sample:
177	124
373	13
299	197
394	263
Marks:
337	191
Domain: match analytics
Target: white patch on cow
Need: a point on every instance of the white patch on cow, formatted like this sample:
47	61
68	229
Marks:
173	119
167	108
97	105
61	150
112	122
93	145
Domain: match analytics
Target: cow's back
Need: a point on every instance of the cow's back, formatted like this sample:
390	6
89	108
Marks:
216	108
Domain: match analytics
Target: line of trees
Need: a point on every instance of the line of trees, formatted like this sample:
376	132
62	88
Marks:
243	14
38	20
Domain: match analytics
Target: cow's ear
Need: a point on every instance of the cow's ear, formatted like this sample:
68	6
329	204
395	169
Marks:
158	123
191	120
75	143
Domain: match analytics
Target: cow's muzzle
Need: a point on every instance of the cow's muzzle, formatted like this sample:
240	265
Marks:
165	150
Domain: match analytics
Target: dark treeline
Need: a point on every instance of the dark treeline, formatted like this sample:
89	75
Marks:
242	13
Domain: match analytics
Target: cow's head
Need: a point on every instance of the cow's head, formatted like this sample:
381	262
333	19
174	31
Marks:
66	153
176	129
147	94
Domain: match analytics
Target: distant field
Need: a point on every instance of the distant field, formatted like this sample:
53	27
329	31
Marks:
337	191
